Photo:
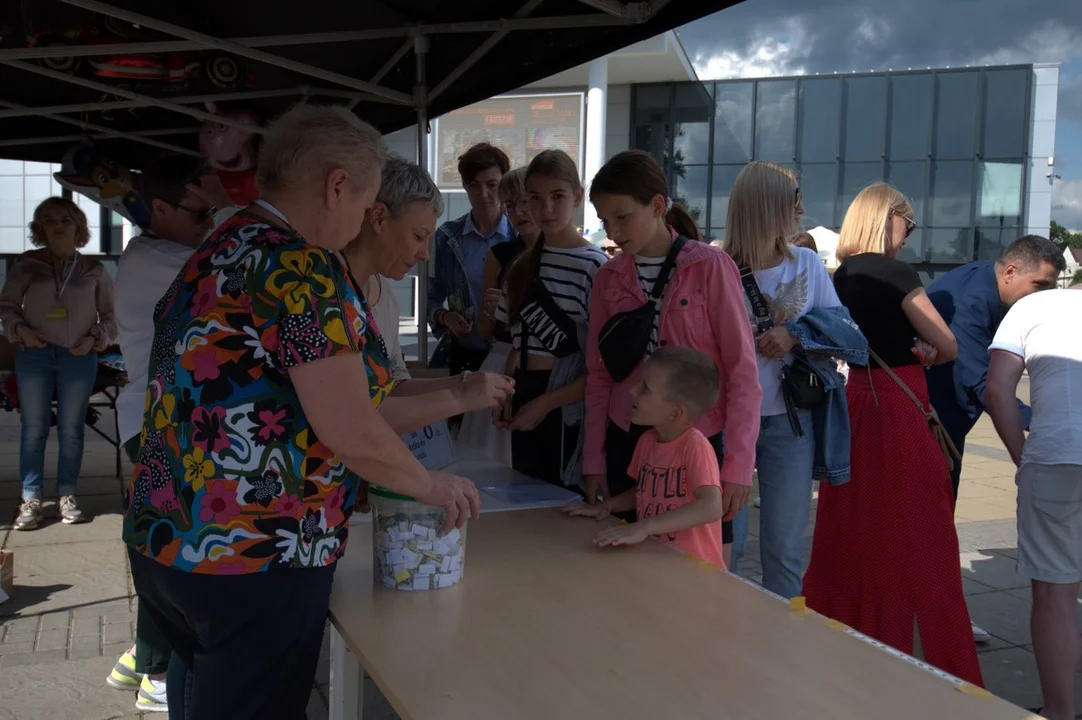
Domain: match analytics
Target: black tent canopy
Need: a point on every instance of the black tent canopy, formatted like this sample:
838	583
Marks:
72	68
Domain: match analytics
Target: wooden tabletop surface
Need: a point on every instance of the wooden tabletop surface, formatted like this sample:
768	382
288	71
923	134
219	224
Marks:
546	626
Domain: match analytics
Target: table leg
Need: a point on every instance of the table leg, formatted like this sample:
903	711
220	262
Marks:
346	690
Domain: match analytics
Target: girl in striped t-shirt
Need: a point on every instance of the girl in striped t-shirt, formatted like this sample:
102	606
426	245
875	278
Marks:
546	307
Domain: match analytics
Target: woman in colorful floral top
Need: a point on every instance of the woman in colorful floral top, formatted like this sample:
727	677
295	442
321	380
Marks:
257	428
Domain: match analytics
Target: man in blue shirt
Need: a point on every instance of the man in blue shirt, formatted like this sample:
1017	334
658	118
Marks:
973	299
459	251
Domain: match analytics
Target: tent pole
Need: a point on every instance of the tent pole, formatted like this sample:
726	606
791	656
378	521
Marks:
106	134
420	100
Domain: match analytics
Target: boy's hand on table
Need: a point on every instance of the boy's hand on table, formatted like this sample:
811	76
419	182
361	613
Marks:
631	534
581	509
733	499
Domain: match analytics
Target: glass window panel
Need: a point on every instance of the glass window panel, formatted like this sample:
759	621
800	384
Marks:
992	241
11	201
36	189
1004	118
855	177
912	179
956	117
949	245
93	220
732	122
37	168
820	119
692	139
775	118
1000	193
13	240
724	177
715	235
653	128
689	187
951	197
819	188
865	118
910	116
11	167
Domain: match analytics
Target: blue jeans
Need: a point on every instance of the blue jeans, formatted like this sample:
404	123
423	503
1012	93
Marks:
41	374
784	463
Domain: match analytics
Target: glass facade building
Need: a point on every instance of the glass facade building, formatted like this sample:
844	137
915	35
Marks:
956	142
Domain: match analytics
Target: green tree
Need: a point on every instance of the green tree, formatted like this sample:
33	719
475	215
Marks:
1063	237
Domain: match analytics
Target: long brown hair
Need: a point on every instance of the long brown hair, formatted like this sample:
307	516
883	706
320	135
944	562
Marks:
761	214
558	165
638	175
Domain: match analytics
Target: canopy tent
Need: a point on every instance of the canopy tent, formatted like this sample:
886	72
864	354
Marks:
135	76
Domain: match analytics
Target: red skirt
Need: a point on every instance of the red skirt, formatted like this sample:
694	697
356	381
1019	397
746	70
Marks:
885	551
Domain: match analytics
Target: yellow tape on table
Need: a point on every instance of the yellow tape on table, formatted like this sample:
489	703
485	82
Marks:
973	691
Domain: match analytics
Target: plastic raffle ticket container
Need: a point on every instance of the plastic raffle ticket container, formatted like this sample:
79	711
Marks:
411	550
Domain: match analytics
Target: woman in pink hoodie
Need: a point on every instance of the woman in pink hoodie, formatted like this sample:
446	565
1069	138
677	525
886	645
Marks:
701	307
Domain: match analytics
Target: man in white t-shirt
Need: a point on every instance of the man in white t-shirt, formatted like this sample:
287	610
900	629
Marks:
186	201
1041	334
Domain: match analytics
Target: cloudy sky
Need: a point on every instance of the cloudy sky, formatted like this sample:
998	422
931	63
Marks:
760	38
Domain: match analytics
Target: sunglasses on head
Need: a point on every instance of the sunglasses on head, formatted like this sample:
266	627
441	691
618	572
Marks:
910	224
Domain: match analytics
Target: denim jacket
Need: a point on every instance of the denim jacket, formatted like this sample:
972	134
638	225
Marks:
566	370
449	282
827	334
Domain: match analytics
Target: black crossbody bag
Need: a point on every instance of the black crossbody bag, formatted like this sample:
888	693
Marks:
545	320
801	386
624	338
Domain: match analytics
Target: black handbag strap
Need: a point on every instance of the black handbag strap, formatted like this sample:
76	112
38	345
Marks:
666	269
758	302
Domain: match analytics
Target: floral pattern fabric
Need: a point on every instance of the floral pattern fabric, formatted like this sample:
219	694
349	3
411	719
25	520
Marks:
231	478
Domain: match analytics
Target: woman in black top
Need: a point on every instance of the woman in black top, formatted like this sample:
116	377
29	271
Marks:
477	428
885	552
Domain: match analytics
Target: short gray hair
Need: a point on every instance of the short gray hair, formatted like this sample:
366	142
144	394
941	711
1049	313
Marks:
405	183
309	141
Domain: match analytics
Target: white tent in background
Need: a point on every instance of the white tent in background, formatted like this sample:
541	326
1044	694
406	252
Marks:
826	241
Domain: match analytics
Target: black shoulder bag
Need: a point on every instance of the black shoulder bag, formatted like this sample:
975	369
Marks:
545	320
801	386
624	338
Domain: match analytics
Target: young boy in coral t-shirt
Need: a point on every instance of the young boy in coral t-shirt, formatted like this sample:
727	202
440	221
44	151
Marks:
678	496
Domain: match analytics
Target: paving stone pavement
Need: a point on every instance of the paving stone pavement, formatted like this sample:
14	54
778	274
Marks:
73	610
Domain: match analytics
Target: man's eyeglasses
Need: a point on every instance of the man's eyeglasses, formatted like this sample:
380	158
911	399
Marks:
201	215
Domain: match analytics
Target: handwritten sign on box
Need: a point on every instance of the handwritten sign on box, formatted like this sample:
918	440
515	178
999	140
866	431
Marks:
431	445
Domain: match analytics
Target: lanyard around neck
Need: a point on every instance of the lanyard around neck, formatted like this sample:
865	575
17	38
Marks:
61	286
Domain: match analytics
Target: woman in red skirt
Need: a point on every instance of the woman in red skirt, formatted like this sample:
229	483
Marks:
885	553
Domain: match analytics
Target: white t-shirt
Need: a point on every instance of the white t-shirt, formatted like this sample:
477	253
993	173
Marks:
1043	329
385	311
790	289
568	275
146	269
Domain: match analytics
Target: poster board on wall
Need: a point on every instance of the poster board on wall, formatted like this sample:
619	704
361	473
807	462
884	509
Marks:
520	125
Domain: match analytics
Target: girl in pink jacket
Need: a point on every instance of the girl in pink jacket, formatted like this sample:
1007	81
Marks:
701	307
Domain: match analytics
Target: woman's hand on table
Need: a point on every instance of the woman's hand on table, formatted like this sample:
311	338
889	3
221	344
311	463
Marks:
456	495
597	487
483	390
581	509
630	534
530	415
30	337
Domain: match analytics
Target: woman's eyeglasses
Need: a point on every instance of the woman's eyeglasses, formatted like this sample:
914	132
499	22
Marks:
910	224
799	198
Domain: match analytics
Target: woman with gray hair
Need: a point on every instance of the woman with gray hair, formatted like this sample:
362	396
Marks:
265	376
396	234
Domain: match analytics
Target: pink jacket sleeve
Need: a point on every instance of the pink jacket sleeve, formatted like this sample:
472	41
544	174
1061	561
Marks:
739	374
598	382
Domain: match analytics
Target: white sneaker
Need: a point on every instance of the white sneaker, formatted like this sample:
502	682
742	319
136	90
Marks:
29	515
151	696
70	513
980	635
